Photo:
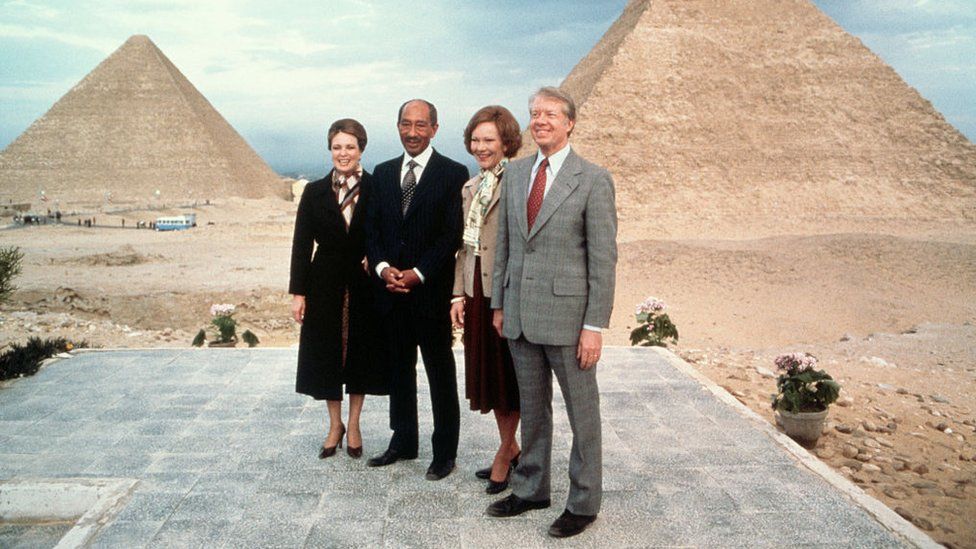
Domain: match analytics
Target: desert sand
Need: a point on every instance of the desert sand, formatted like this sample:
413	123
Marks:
889	315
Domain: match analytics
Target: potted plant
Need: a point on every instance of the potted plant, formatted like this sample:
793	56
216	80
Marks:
803	395
654	327
223	329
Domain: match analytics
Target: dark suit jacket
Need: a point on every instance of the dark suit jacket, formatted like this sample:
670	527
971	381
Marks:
426	238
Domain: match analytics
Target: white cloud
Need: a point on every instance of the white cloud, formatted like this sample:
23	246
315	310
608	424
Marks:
44	33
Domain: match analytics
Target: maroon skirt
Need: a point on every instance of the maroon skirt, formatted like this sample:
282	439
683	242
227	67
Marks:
489	374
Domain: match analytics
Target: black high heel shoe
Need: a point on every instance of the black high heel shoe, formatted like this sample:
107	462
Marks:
329	451
485	474
497	487
354	452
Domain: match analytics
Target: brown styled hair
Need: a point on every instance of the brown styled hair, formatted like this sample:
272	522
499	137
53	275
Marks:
350	126
508	128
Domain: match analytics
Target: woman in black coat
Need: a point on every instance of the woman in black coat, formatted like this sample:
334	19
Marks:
332	293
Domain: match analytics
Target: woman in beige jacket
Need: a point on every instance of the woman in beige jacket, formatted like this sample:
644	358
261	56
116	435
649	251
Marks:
492	137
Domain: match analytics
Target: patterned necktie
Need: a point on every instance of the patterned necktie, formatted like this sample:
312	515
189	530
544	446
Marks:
409	185
537	193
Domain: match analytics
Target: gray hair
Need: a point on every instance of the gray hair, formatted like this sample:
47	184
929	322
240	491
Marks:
550	92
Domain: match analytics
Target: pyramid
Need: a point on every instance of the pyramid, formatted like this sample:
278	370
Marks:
132	126
748	119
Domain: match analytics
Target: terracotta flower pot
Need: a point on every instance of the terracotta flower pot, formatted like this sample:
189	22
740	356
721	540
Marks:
803	426
232	343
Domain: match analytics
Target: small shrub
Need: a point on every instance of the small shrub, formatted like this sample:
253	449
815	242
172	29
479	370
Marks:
223	328
25	360
654	326
11	260
249	338
802	388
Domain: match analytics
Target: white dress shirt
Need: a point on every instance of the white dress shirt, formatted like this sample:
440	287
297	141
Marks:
555	162
422	160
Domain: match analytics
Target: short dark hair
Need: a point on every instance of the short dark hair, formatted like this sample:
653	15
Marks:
508	128
350	126
569	106
430	106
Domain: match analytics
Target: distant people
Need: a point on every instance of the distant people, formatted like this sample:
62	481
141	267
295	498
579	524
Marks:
492	136
555	268
57	216
123	222
332	295
413	232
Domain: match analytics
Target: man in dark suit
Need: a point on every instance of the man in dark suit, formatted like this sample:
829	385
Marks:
414	228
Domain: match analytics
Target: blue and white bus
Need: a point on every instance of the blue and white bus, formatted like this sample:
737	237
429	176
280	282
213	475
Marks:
176	222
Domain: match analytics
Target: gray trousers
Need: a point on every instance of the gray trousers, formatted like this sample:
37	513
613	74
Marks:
534	366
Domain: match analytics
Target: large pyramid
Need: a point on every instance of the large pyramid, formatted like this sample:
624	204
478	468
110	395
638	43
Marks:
744	119
132	126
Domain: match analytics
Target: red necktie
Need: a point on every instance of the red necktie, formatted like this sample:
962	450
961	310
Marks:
537	192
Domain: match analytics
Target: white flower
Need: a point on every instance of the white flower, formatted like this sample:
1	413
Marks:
650	305
221	309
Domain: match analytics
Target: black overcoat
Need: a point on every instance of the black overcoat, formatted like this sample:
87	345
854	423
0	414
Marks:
323	278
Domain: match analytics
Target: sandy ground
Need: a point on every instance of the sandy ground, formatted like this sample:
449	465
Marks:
890	315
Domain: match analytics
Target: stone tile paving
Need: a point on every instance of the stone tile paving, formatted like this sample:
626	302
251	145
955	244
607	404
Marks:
225	452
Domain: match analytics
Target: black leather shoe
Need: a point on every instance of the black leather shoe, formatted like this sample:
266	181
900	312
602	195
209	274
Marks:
439	469
388	457
513	506
569	524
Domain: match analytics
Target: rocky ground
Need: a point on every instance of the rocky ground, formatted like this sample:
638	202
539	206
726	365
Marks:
904	429
889	315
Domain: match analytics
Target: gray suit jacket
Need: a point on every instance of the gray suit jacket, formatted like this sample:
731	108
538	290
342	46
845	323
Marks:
552	280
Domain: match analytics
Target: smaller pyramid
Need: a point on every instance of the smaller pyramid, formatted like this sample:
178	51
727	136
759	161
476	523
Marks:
132	126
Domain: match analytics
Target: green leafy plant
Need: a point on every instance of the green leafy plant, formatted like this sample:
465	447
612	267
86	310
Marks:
654	327
802	388
249	338
226	327
11	260
25	360
223	327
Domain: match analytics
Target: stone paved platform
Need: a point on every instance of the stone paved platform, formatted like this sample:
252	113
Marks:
225	455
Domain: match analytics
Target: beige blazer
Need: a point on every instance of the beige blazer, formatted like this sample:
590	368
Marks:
464	266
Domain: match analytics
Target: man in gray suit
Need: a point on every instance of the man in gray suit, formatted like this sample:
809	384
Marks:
552	293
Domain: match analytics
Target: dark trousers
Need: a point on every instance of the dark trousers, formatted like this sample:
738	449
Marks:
407	331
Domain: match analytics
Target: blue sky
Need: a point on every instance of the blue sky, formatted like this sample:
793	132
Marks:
280	73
